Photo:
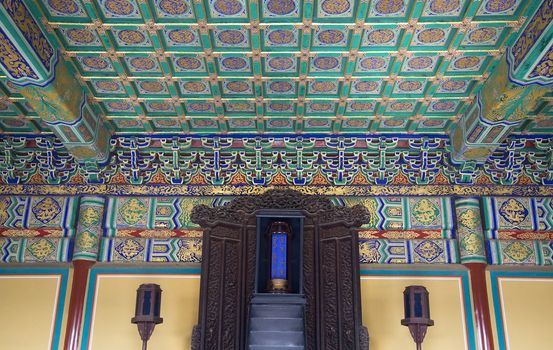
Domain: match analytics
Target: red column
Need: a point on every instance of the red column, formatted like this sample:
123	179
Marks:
481	306
81	269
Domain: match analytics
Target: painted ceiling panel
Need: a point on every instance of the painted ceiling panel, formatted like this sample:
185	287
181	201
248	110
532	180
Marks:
279	66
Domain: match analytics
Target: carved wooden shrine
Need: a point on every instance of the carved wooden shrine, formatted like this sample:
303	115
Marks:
331	285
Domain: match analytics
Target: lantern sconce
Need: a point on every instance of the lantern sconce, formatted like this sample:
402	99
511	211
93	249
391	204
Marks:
417	313
147	312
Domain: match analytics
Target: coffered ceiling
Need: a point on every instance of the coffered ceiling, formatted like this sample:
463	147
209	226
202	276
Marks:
278	66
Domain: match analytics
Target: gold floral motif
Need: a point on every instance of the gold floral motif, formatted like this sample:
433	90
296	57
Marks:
469	218
518	251
26	23
4	205
190	250
85	240
133	211
425	212
513	211
129	248
472	244
46	210
13	61
41	249
89	216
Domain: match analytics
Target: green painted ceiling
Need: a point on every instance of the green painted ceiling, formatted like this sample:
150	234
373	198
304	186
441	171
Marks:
279	66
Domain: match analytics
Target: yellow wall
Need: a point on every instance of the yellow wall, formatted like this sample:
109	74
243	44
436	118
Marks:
28	306
527	312
111	326
382	299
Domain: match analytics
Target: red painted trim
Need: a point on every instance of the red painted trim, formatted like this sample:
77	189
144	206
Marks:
81	269
482	316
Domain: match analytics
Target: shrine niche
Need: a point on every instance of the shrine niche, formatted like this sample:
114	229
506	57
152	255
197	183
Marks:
317	271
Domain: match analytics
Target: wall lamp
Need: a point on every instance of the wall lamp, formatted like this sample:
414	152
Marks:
147	311
417	312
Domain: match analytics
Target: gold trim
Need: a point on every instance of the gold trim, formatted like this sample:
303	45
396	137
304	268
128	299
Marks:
238	190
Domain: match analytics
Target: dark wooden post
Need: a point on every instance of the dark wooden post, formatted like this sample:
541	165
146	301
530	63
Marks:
81	269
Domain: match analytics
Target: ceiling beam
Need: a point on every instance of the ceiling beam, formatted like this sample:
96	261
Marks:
511	92
49	85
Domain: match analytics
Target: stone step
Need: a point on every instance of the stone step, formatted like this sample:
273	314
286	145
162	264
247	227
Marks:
278	310
276	324
275	338
271	347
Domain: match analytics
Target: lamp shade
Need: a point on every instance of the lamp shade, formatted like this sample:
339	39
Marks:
148	304
417	312
279	240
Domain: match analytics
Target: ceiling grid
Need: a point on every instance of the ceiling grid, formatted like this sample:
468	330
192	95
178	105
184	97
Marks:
279	66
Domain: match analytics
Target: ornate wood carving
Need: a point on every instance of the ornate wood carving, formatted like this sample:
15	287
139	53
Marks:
330	271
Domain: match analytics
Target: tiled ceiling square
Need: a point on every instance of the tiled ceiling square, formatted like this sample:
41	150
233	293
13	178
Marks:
277	107
331	38
242	124
240	107
227	10
73	10
317	124
281	10
77	38
280	38
142	64
203	123
443	107
200	107
280	65
326	64
324	87
432	38
188	65
396	125
94	64
182	38
173	10
366	86
389	10
166	124
381	37
468	63
280	125
237	87
225	38
194	88
320	108
440	10
335	10
373	64
360	108
130	38
409	87
151	87
361	124
499	9
119	11
454	86
107	87
485	36
280	88
421	64
234	64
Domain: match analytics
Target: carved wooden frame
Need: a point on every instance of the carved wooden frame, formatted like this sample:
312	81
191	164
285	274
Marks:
330	257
